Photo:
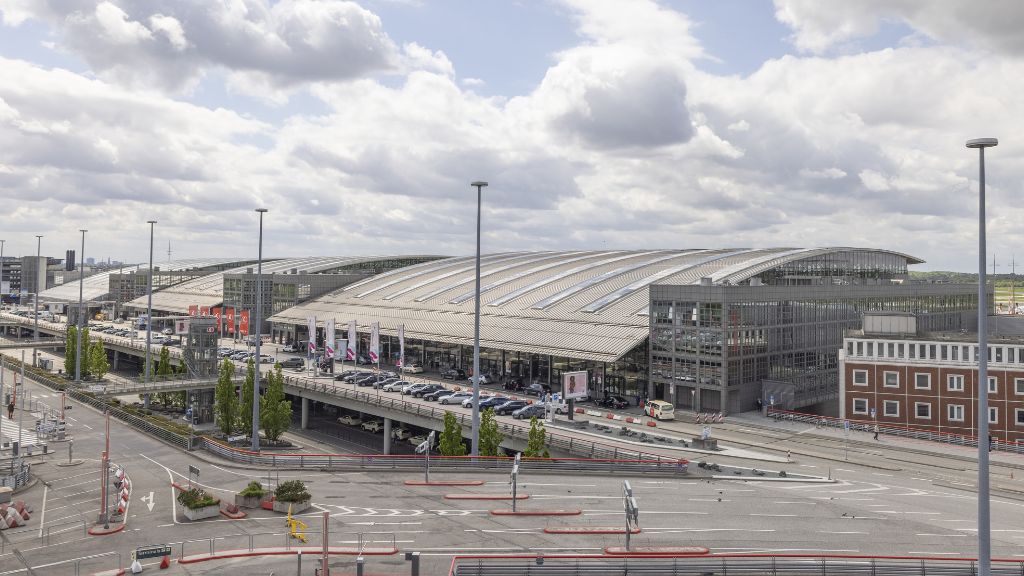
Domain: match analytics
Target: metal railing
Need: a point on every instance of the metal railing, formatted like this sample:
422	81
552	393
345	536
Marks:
15	472
283	540
902	431
75	564
752	565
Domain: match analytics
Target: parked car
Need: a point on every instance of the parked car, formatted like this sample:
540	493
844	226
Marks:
167	331
435	396
468	402
350	419
484	379
613	402
354	375
401	434
414	368
290	348
410	387
455	398
454	374
418	439
367	381
171	342
293	362
527	412
363	360
660	410
493	402
373	426
385	382
510	407
394	386
537	389
427	389
267	359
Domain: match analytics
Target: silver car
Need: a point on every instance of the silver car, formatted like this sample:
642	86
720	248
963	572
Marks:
468	402
458	397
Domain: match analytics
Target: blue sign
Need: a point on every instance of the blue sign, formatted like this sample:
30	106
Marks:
771	399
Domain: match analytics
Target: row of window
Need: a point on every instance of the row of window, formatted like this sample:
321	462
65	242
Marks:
923	381
919	351
923	411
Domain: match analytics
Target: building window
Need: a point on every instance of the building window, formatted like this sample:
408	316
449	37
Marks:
922	410
955	412
1019	385
943	351
993	385
849	348
892	350
892	379
871	348
955	383
860	348
860	405
922	381
891	408
999	354
860	377
993	415
899	350
911	350
1020	416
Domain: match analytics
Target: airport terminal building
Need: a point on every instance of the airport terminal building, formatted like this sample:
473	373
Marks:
705	329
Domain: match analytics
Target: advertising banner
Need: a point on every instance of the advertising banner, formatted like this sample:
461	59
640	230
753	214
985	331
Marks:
401	346
181	326
374	351
350	350
329	339
574	385
193	310
204	310
243	324
339	345
229	315
311	348
217	314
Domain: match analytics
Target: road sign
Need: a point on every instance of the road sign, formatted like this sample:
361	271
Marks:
144	552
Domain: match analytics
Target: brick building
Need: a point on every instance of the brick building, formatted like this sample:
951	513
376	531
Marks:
890	372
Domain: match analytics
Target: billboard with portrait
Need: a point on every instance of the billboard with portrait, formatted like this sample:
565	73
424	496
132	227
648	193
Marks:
574	385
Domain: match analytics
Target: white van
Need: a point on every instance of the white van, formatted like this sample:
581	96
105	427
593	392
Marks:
660	410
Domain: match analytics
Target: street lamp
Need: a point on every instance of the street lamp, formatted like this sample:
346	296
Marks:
39	252
476	328
78	317
984	522
149	311
259	330
2	265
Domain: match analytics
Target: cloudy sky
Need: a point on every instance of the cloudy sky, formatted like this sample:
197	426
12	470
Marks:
598	123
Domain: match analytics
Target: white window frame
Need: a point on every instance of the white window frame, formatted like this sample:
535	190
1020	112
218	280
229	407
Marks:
1019	416
958	379
951	408
885	379
860	372
918	415
1019	386
927	386
858	400
885	408
993	411
993	385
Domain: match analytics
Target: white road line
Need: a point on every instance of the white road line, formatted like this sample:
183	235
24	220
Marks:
843	470
844	532
682	530
42	514
933	553
799	503
87	426
706	499
880	474
808	466
944	535
775	515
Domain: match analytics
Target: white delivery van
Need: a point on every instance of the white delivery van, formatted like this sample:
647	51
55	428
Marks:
660	410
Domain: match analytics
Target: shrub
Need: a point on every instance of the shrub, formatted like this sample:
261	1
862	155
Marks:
292	491
254	489
195	498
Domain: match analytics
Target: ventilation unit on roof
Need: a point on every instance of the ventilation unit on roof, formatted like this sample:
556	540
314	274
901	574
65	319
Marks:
706	281
756	281
248	270
294	270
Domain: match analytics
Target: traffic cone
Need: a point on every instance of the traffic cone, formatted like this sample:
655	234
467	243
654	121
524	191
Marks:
165	562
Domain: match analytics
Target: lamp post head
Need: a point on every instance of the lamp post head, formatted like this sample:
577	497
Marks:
478	183
150	221
982	143
261	210
82	231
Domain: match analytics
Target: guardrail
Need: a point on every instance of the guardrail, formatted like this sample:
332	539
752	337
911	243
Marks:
415	462
16	472
76	563
752	565
857	425
256	540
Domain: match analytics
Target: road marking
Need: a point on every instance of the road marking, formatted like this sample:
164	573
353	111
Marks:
681	530
42	514
944	535
880	474
148	500
808	466
934	553
844	532
801	503
706	499
774	515
843	470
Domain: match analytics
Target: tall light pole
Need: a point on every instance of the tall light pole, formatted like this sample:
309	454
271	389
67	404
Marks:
149	310
476	327
984	522
259	331
78	317
2	266
39	252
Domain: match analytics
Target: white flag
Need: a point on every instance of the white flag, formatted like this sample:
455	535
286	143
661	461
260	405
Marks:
329	339
312	335
350	351
374	342
401	346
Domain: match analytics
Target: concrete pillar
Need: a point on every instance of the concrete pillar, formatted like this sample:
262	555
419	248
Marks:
113	365
387	436
305	413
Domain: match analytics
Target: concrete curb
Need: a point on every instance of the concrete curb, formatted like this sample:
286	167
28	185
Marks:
312	551
506	512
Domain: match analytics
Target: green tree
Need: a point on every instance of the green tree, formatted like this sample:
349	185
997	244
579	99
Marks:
451	443
490	437
225	401
535	443
275	411
86	363
164	368
98	362
69	351
245	406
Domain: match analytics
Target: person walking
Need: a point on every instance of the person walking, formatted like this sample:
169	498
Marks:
876	430
10	410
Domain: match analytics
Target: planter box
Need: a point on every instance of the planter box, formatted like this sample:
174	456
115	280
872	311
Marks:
202	513
248	501
297	507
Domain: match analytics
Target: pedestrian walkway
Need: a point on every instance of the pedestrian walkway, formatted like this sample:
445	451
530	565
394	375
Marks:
9	430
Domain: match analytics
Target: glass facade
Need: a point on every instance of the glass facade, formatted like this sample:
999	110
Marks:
719	348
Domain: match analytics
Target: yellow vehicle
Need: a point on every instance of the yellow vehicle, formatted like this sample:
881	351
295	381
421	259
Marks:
660	410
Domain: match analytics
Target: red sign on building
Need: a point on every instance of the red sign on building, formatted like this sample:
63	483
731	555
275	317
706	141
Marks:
243	324
217	312
193	310
229	315
204	310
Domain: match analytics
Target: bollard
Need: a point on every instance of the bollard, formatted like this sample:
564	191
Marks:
414	558
359	566
298	570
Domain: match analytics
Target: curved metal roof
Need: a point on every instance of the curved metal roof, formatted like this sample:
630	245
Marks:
587	304
97	286
209	290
